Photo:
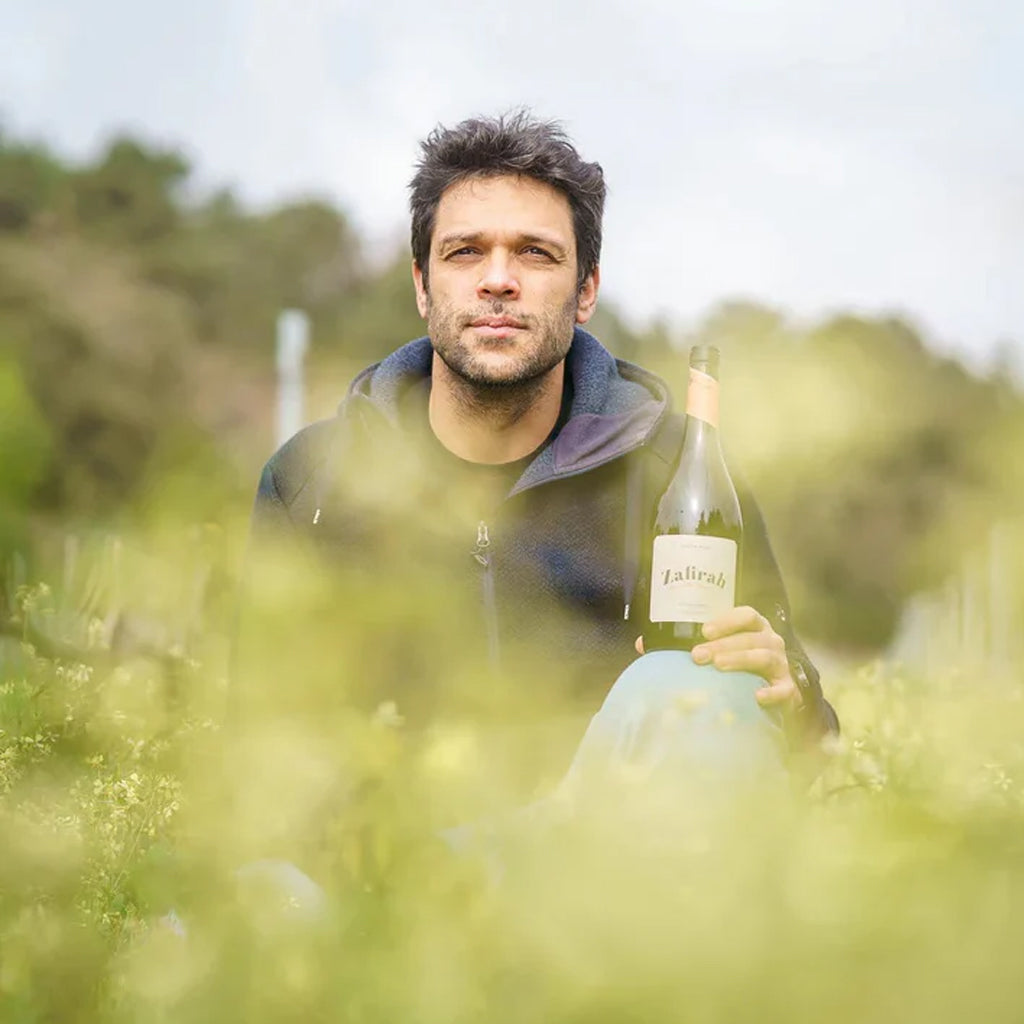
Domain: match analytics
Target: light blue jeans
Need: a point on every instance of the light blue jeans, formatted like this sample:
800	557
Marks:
665	718
665	721
665	714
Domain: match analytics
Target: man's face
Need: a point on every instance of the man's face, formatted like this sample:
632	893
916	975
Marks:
502	297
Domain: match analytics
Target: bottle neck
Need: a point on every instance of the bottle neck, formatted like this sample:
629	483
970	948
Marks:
702	398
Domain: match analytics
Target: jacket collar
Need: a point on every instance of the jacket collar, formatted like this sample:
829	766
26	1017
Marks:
616	405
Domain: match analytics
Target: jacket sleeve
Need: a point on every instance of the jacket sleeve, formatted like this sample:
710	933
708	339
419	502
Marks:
762	588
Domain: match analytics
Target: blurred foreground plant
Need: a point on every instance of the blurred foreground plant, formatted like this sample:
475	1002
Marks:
891	891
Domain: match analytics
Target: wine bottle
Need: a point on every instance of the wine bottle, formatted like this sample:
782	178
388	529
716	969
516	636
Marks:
698	531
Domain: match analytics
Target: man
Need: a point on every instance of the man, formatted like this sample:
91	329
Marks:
501	470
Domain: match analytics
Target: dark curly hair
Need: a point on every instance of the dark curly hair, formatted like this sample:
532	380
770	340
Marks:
512	143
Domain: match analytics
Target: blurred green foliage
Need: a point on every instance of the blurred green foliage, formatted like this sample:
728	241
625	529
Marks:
24	438
139	316
885	888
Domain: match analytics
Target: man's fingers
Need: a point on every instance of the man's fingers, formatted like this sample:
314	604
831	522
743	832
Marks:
742	619
761	661
739	642
779	693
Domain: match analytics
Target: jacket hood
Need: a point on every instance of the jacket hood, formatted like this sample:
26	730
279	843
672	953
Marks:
615	405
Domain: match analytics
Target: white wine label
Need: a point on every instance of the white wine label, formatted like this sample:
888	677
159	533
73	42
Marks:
693	578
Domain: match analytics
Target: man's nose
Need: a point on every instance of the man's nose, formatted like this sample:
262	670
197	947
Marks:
498	280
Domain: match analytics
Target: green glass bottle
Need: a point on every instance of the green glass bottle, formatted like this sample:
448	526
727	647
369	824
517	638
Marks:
698	531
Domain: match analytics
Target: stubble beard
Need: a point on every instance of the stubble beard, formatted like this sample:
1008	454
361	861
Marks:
512	386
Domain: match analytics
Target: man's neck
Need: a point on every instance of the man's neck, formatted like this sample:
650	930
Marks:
496	424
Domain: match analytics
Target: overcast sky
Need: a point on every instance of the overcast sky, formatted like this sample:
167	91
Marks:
815	156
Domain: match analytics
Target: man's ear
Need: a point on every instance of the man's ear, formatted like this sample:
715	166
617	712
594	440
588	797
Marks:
422	296
587	300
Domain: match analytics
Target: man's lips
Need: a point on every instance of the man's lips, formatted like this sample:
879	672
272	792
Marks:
498	322
496	326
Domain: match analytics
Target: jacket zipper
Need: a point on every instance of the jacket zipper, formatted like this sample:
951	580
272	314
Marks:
482	554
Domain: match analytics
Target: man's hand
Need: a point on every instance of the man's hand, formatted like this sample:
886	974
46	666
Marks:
742	640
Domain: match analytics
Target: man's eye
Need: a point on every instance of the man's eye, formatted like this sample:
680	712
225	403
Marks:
466	250
536	250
